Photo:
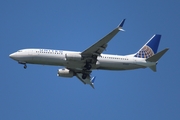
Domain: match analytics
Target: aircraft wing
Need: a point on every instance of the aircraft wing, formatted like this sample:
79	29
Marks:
89	80
79	72
100	46
90	55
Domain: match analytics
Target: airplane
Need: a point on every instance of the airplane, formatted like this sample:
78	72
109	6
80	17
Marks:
81	64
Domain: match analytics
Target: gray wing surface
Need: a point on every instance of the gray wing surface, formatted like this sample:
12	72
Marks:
97	48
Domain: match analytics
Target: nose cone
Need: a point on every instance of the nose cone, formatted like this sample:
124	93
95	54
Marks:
12	56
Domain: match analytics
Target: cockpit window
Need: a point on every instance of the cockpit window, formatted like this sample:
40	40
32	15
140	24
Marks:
19	50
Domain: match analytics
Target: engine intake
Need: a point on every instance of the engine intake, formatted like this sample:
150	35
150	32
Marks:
65	73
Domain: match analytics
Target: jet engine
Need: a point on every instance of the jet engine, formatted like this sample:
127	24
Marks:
65	73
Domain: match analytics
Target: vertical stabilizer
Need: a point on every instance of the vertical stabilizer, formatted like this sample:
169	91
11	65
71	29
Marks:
150	48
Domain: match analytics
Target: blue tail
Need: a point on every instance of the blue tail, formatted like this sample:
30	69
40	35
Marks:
150	48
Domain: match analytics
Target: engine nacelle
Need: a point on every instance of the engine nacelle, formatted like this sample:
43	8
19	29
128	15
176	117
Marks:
65	73
73	57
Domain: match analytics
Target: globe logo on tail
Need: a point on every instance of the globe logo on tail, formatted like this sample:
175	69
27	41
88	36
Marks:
145	52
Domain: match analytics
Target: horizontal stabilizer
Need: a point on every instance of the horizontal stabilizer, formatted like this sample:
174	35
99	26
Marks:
157	56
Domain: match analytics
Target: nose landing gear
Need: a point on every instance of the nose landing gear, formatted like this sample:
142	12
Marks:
23	63
25	66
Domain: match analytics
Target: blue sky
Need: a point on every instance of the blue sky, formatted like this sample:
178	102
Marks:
37	93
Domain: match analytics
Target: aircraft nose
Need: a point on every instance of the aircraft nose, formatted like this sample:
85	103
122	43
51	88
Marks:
12	55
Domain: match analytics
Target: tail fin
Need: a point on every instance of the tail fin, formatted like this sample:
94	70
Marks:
150	48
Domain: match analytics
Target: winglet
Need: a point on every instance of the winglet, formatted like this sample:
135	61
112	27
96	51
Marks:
121	25
92	82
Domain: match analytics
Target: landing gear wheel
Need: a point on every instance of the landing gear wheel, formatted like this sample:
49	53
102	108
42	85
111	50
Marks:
88	66
84	76
25	66
23	63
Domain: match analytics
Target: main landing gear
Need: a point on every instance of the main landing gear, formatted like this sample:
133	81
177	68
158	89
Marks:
84	76
88	66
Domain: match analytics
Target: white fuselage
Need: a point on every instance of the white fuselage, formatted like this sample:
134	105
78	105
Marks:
72	59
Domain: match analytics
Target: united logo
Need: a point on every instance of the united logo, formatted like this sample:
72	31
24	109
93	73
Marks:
145	52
